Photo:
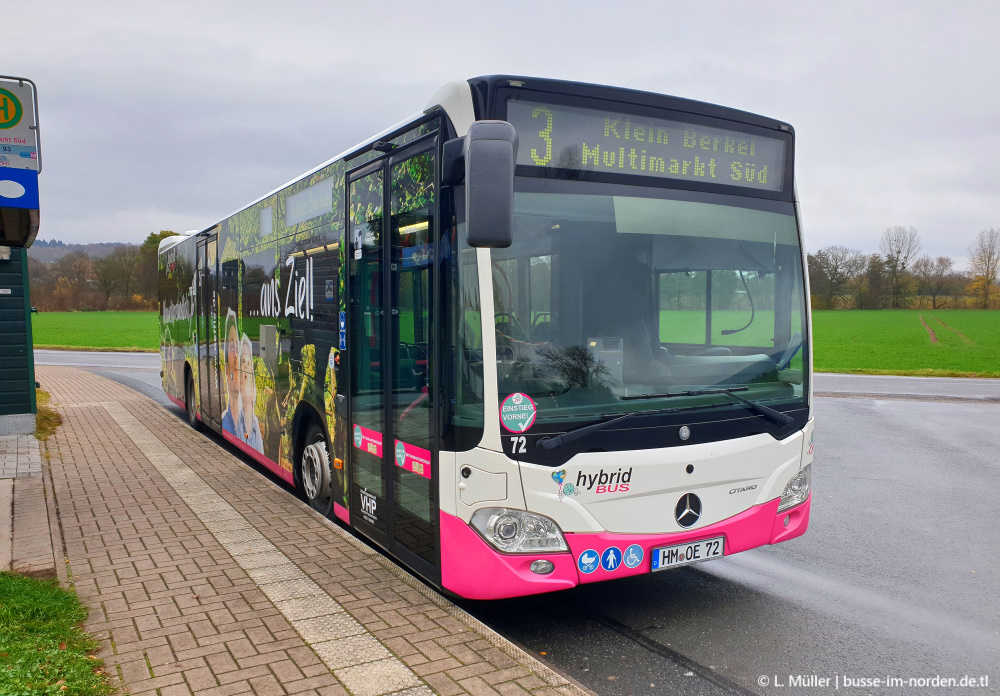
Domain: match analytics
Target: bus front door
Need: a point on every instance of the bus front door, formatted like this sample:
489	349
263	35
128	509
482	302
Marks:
392	411
208	332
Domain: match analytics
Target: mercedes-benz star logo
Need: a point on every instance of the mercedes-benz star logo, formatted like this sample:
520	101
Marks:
688	510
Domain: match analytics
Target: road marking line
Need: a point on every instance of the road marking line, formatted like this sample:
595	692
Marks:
346	647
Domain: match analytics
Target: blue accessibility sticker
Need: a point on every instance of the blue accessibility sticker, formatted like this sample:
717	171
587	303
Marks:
633	556
611	558
343	321
588	561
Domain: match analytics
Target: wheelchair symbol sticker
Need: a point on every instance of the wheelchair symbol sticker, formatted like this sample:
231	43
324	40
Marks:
633	556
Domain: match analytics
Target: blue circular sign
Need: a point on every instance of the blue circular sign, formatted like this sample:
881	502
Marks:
633	556
588	560
611	558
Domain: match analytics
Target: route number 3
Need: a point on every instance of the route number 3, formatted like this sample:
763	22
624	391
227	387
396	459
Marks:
518	444
545	134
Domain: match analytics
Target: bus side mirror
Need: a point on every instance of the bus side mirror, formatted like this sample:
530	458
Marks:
490	152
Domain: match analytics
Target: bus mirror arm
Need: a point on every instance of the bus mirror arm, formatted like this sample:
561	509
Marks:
490	154
453	162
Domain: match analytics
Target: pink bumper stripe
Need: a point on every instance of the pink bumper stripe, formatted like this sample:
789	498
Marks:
473	569
758	526
258	457
177	401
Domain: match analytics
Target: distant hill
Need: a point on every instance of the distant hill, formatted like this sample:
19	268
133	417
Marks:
53	250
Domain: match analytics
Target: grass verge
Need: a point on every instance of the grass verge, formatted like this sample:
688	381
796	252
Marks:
925	372
43	649
47	419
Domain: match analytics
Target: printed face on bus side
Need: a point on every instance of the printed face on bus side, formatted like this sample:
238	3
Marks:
248	388
233	369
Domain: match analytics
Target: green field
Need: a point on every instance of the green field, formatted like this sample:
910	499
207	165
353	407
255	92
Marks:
872	342
894	342
97	330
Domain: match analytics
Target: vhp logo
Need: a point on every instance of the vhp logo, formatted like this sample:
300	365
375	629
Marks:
368	503
10	109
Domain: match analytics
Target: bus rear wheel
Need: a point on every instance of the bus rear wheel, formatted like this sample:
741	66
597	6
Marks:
192	415
314	470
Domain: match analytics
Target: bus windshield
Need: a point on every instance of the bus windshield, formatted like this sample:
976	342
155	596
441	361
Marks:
611	293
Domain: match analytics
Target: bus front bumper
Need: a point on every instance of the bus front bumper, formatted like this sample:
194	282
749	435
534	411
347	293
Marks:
474	570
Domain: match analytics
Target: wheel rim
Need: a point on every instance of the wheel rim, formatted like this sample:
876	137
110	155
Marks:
314	470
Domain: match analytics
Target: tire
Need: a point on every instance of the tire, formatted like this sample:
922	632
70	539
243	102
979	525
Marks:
315	476
192	415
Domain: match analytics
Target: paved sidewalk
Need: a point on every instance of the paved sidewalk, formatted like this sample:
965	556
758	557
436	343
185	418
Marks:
26	507
203	577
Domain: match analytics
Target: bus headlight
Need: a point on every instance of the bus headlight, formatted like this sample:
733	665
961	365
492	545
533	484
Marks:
797	490
517	531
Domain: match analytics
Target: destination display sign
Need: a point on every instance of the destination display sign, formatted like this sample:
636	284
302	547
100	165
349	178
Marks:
18	139
569	137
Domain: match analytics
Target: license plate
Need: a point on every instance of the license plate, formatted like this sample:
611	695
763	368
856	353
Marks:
692	552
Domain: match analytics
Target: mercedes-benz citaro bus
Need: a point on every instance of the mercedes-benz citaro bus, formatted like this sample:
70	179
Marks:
540	334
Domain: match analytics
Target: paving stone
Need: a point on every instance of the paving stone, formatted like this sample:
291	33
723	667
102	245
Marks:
291	589
377	678
269	575
307	607
354	650
322	628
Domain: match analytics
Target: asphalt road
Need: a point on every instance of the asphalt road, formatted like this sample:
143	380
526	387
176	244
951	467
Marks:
897	577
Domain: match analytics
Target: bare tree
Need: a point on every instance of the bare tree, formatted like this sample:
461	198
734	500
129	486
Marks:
934	276
984	263
76	267
899	246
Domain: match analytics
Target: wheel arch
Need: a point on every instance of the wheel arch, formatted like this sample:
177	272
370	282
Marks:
305	414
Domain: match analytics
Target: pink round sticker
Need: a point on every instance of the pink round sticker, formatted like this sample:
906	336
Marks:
517	412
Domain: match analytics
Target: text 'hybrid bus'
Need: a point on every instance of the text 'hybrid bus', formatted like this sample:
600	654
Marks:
540	334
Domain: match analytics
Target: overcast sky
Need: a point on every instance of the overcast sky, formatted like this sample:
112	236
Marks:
171	115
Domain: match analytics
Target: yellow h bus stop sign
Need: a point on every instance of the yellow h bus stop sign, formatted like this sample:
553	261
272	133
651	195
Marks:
11	110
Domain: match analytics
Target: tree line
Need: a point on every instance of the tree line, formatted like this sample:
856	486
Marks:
898	277
125	279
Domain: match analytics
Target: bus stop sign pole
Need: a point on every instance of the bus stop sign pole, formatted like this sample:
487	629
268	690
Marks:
20	165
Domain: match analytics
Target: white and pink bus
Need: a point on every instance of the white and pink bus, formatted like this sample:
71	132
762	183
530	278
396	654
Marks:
540	334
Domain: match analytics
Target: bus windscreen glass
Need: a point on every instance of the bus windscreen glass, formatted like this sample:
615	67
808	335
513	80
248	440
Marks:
569	137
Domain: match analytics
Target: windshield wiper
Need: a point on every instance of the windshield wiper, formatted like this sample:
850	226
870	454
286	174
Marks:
547	444
769	413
